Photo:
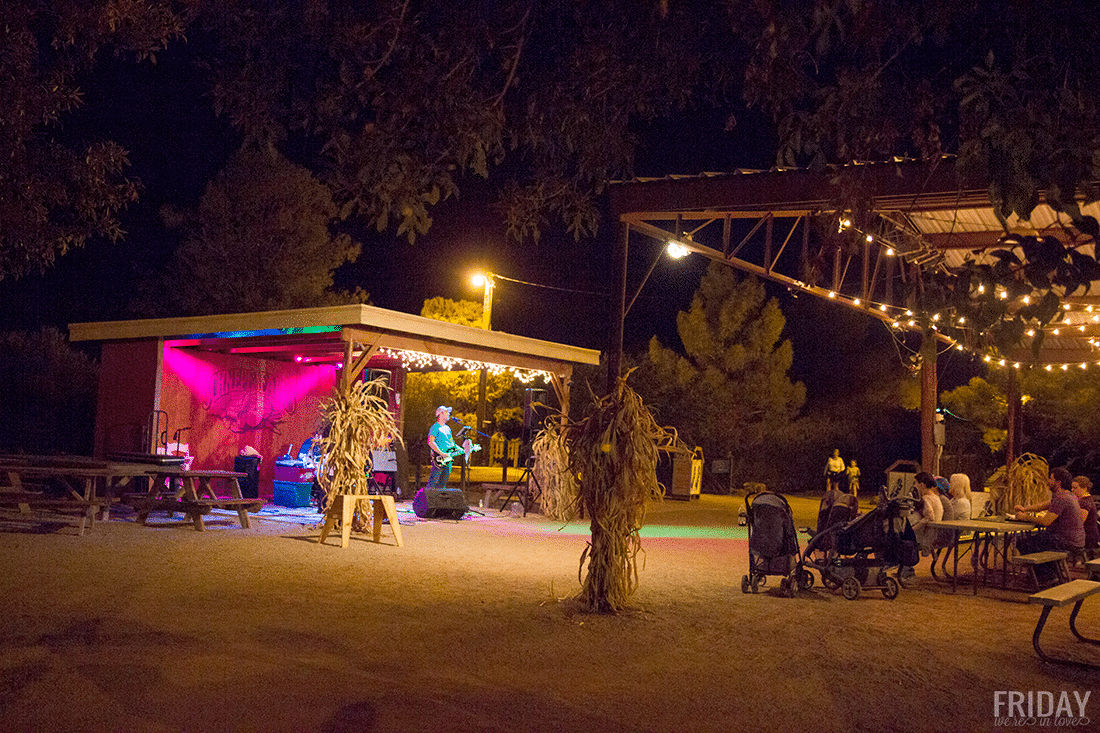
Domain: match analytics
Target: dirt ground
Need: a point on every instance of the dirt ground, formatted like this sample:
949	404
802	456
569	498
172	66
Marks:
163	628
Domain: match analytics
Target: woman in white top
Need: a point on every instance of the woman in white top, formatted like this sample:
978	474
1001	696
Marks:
960	496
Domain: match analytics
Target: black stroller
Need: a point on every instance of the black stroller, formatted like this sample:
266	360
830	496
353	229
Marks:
856	555
773	545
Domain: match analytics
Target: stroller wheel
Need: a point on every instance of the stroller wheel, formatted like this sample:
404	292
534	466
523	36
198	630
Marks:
805	579
891	589
829	581
850	588
744	584
754	581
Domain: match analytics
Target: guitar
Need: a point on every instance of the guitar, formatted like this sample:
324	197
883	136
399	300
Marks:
465	449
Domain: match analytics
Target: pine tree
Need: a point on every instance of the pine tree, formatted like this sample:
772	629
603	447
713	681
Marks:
731	389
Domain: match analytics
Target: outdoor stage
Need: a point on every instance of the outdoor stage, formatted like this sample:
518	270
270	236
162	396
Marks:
463	628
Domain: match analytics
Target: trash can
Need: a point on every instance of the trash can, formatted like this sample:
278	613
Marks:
250	484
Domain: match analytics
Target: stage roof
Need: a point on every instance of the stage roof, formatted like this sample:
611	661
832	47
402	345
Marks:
322	335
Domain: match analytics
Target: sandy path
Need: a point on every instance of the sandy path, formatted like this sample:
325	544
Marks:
164	629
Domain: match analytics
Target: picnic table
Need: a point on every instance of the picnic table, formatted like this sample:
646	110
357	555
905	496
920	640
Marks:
90	486
1075	592
175	489
984	531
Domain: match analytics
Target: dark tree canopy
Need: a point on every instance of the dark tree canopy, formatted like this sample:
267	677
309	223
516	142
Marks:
400	99
394	104
262	239
59	188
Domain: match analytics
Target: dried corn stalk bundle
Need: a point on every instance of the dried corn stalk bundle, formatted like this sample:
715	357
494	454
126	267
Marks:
359	420
1026	483
613	453
551	470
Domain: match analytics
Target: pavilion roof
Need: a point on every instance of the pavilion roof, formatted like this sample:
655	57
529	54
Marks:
923	216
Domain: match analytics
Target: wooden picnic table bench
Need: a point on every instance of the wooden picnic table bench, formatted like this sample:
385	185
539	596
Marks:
506	492
1075	592
79	478
1093	568
1057	560
191	492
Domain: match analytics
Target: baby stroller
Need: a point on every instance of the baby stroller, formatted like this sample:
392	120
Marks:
837	508
773	545
856	555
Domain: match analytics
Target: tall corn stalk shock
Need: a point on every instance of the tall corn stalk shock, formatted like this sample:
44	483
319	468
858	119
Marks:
1026	483
613	454
359	420
551	470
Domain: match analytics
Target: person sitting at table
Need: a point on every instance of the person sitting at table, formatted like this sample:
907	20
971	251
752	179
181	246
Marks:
959	485
944	495
1062	526
1081	488
930	510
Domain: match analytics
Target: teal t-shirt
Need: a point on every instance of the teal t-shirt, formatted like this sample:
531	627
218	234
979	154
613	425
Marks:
442	435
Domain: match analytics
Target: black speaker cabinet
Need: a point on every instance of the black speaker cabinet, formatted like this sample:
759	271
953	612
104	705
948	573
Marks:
440	503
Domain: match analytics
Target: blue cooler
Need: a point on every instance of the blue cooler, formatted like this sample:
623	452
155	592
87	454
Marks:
293	493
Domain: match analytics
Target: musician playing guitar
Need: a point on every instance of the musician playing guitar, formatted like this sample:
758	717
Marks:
443	447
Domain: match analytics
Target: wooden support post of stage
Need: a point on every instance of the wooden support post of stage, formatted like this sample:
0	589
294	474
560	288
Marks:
479	419
345	370
928	399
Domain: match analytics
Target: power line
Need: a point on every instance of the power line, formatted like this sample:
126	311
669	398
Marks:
495	276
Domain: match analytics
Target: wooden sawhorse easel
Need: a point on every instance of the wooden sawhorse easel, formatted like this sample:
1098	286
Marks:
343	508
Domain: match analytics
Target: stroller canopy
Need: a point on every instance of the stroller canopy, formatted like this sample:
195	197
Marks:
772	527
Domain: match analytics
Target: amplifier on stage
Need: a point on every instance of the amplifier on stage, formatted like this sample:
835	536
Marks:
384	461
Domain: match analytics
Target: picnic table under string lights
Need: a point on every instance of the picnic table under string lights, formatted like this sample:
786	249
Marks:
985	531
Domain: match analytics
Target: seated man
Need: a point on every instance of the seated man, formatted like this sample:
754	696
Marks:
1063	527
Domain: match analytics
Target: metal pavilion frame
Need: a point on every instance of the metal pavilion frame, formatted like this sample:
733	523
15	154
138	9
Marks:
925	217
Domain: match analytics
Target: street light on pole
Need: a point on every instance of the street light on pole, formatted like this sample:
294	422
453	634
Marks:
484	280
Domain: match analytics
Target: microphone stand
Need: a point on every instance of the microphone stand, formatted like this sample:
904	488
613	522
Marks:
465	466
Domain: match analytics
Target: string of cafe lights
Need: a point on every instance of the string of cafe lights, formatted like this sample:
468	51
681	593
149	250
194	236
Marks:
901	316
415	360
